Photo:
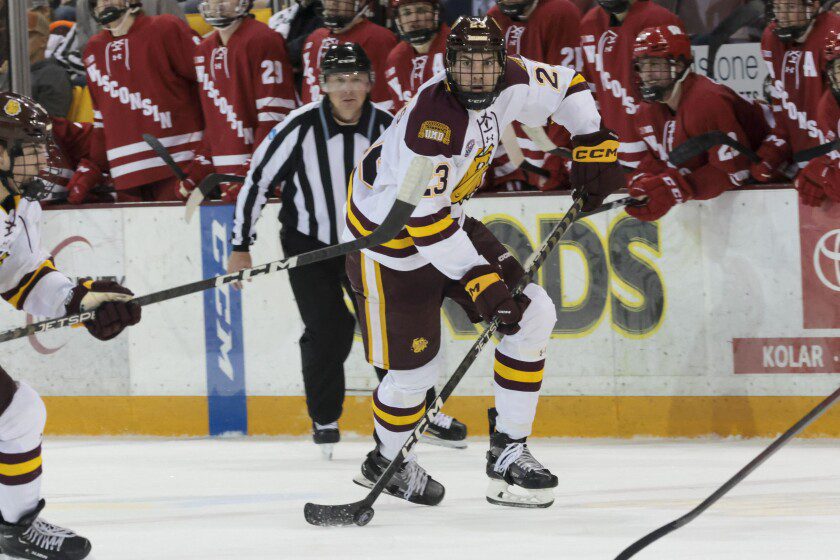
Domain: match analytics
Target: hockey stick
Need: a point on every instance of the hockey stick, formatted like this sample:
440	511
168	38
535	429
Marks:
815	152
815	413
695	146
409	195
207	186
517	158
163	154
361	512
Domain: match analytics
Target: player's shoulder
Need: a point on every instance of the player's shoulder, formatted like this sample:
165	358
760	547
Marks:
495	13
403	52
370	32
517	70
704	92
556	9
167	22
96	42
649	14
317	36
592	20
258	35
436	122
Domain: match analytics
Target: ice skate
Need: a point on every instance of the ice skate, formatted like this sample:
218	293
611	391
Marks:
35	539
325	437
510	464
445	431
410	483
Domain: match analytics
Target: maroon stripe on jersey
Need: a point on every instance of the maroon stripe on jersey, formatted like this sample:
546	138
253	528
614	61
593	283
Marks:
17	458
515	73
447	232
583	86
516	385
38	275
519	365
420	221
396	411
382	250
369	225
20	479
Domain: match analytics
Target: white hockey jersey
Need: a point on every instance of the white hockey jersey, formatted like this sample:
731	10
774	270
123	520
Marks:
461	145
28	278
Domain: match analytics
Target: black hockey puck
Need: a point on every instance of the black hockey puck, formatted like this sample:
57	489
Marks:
363	516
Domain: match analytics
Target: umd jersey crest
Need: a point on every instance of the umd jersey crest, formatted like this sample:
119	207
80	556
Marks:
419	344
12	108
474	175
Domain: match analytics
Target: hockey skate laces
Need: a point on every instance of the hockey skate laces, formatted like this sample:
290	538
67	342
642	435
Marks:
46	535
516	453
442	420
416	479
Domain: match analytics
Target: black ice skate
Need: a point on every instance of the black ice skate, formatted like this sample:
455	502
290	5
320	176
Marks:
326	436
35	539
510	463
410	483
445	431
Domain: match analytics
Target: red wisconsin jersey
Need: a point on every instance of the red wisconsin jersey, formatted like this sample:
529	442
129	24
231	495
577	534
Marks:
246	88
608	64
72	144
705	106
796	71
143	83
406	69
828	115
551	34
376	41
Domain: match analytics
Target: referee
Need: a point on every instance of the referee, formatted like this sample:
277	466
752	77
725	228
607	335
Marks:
311	156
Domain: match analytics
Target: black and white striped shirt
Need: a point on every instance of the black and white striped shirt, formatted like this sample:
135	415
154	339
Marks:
311	157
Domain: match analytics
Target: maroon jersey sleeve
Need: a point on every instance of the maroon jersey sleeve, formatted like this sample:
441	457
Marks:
271	75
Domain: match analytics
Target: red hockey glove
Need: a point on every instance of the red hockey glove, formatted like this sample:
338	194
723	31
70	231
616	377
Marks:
773	153
196	171
493	298
595	173
811	182
87	176
658	194
114	311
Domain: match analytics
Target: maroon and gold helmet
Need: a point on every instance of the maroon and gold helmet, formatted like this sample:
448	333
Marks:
26	136
408	16
475	90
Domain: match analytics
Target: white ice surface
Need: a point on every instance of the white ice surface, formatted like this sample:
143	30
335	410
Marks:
150	499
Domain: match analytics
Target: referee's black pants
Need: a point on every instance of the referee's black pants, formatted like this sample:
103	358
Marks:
328	326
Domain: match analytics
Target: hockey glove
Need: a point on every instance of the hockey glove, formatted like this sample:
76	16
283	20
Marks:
492	298
230	191
773	154
87	176
595	173
196	171
658	194
811	183
114	310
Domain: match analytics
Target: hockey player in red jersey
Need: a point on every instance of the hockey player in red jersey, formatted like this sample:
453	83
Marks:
820	178
546	31
793	47
30	282
679	105
142	81
419	54
246	87
608	33
345	22
70	171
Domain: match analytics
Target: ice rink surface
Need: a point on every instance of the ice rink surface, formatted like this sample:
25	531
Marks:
242	498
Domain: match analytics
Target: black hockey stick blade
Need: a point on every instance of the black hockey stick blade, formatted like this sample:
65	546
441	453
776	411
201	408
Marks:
163	154
409	195
204	189
695	146
815	152
361	512
792	432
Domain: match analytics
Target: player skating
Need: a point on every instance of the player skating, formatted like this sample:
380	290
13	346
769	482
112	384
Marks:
455	121
30	282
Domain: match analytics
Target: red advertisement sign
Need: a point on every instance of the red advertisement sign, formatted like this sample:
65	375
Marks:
819	235
786	355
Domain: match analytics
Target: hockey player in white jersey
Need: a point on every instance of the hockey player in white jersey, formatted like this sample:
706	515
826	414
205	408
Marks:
455	120
30	282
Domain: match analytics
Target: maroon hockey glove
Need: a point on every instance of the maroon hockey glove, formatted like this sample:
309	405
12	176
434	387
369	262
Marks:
87	176
658	194
196	171
595	173
114	310
811	183
493	298
773	153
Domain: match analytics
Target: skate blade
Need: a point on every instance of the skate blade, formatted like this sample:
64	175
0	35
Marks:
498	493
326	450
431	440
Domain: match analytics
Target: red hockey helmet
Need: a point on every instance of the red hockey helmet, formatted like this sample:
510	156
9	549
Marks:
832	63
417	20
662	57
475	79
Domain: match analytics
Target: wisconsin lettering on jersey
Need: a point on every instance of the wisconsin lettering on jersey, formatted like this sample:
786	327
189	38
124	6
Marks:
133	100
606	45
225	107
797	65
